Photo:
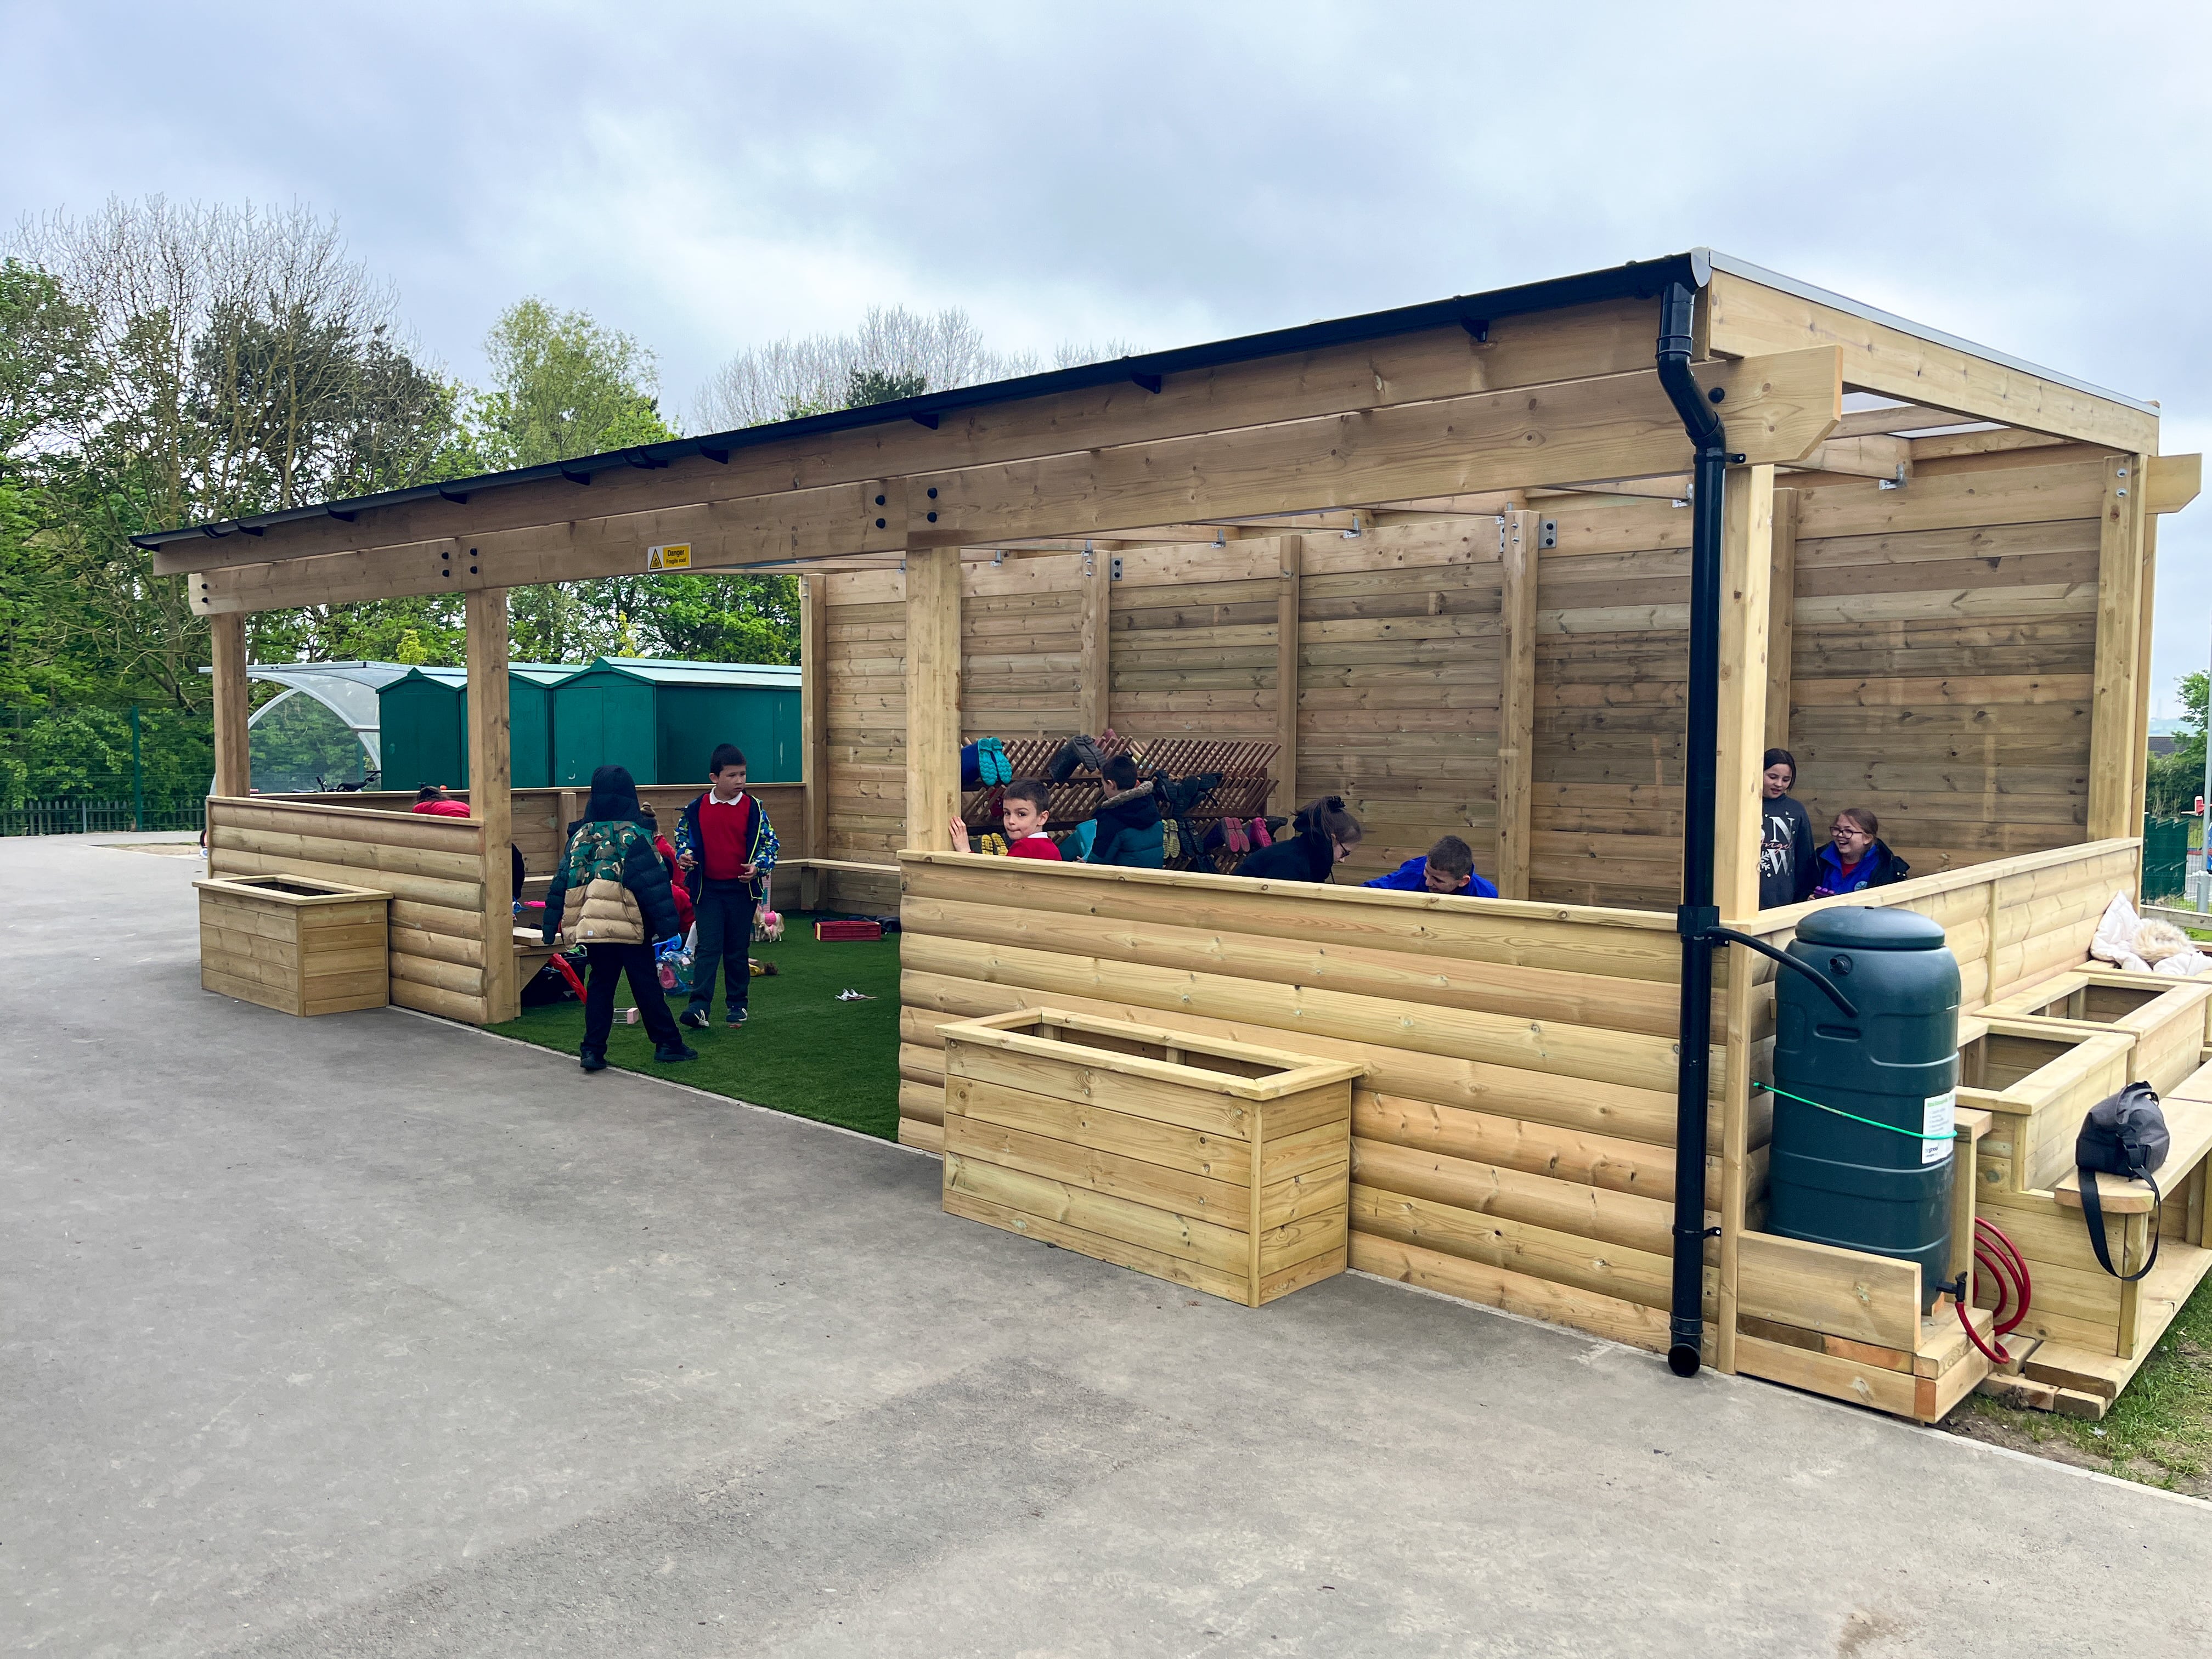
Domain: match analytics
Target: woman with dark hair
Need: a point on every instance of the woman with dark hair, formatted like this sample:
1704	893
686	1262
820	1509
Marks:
1785	849
611	896
1855	857
1322	837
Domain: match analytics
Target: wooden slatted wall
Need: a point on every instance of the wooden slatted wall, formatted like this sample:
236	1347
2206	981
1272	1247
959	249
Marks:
1945	639
863	634
433	867
1021	646
1613	660
1513	1139
1193	638
1400	646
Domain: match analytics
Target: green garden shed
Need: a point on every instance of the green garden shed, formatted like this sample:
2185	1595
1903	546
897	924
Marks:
662	719
425	717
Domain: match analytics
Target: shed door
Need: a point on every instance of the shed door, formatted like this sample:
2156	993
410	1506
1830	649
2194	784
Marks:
580	733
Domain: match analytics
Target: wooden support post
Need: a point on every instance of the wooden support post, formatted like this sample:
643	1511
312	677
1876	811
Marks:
2140	787
490	802
932	696
1746	568
234	765
2114	809
814	731
1516	706
1736	1001
1781	618
1094	692
1291	550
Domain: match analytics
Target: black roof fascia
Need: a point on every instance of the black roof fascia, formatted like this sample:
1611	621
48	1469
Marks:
1637	280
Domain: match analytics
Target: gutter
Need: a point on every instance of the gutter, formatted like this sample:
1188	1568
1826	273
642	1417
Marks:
1474	312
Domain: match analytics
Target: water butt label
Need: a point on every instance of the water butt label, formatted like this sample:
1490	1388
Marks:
1938	1120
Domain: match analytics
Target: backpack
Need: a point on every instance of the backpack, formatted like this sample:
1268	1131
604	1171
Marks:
2124	1134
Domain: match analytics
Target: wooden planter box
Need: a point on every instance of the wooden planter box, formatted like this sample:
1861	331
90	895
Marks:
1219	1165
295	944
2038	1081
2166	1017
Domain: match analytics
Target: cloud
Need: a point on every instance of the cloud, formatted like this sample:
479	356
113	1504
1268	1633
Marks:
712	176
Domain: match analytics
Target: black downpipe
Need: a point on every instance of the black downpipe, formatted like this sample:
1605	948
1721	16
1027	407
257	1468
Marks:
1697	919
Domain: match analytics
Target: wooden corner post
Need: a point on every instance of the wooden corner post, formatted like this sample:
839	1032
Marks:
1781	618
814	730
1094	692
1517	701
1746	575
234	765
932	696
1291	550
2115	810
490	800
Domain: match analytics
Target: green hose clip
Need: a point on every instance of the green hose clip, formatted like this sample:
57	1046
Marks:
1909	1135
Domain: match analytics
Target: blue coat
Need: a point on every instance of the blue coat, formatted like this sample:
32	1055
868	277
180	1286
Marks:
1878	868
1128	832
1413	877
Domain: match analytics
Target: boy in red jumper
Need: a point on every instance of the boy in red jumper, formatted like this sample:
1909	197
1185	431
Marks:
727	847
1023	814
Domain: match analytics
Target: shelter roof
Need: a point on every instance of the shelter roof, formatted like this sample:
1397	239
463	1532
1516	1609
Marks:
1636	279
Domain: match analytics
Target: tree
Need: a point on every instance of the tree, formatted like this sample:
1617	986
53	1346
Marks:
563	387
894	353
2175	780
236	361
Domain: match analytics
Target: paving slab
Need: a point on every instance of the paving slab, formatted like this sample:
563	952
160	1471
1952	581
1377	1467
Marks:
372	1335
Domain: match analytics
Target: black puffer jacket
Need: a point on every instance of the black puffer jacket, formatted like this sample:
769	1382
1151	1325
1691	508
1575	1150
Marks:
1310	855
614	801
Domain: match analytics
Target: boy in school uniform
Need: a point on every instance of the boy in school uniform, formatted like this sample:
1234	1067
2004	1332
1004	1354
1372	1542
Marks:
727	847
1023	814
1447	867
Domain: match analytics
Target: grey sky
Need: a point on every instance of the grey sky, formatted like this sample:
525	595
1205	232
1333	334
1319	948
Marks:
2030	176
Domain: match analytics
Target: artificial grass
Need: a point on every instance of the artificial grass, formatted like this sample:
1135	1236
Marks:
801	1050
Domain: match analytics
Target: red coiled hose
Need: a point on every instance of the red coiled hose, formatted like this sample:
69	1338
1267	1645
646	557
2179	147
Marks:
1999	1257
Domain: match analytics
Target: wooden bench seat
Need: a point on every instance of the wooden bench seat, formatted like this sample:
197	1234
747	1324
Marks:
2189	1121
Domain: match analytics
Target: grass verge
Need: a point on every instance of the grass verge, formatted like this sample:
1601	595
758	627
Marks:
802	1051
2158	1433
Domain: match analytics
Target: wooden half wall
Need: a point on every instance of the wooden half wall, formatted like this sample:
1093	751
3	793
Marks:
1513	1139
433	867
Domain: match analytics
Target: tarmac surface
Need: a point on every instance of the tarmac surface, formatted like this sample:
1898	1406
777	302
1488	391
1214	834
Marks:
372	1335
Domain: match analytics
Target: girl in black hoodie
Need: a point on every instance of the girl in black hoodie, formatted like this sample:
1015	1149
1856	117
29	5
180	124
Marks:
1323	835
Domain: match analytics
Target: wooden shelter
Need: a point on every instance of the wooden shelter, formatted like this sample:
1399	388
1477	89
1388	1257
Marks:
1451	560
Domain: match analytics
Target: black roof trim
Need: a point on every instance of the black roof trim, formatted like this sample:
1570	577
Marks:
1638	279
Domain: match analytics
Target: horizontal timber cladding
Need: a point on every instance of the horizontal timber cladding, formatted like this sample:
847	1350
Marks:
1513	1139
1944	645
432	867
1613	659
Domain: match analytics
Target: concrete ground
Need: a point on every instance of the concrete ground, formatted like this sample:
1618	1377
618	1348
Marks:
372	1335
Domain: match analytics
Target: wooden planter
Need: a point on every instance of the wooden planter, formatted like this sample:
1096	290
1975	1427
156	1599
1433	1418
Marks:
2164	1016
1219	1165
295	944
2037	1082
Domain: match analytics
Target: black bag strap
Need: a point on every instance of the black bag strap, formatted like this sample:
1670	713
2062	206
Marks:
2092	1211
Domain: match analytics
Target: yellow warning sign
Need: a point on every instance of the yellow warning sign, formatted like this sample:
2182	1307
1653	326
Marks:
675	556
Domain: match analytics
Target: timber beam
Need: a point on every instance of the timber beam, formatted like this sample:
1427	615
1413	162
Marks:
1615	426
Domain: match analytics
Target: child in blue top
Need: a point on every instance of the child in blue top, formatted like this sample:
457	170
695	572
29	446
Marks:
1449	867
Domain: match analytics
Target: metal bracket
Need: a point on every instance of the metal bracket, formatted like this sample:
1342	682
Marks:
1897	483
1478	329
1352	534
1548	533
1117	576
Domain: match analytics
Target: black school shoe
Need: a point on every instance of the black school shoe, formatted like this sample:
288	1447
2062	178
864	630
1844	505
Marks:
591	1060
694	1017
671	1054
